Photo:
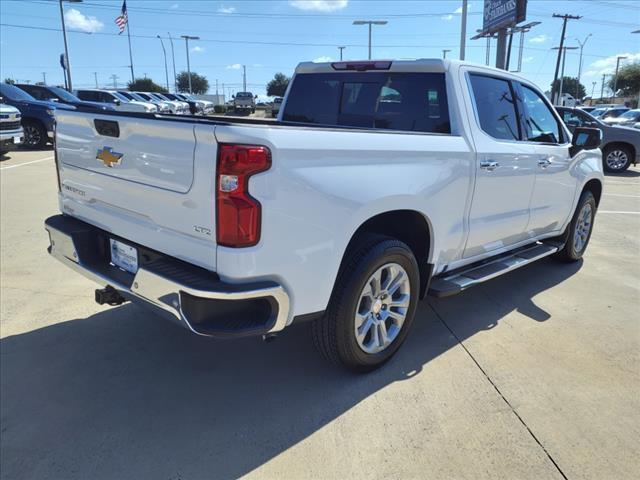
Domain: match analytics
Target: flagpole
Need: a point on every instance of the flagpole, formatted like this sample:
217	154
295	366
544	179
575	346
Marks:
130	55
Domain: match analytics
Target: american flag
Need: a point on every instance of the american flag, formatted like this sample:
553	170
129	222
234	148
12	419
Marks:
123	18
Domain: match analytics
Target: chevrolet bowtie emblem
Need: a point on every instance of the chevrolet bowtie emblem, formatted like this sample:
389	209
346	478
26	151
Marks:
107	156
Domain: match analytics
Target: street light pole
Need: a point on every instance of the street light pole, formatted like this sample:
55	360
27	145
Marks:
244	78
463	29
444	53
66	48
173	59
341	49
582	44
186	39
166	70
370	23
615	79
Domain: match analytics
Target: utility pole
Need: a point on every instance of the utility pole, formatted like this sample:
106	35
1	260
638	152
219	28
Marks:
186	40
602	87
341	49
173	59
463	29
114	77
593	87
564	57
216	88
370	23
66	48
565	17
166	70
582	44
244	78
95	76
615	79
44	77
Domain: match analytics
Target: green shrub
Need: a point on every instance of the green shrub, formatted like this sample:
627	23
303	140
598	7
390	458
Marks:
220	109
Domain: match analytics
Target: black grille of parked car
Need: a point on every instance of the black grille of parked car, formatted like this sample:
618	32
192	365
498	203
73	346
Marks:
9	125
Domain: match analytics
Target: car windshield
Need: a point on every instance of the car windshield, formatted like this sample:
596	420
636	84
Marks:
631	115
244	95
144	96
14	93
63	94
160	96
128	95
598	111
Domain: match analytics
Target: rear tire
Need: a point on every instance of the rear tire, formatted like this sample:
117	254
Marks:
369	318
35	135
579	230
616	158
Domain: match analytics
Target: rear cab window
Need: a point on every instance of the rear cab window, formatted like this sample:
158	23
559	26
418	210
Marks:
415	102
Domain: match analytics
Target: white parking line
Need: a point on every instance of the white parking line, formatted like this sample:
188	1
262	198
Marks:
26	163
620	195
616	211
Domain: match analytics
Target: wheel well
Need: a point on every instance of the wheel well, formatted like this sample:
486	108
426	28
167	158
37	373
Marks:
595	187
621	144
409	227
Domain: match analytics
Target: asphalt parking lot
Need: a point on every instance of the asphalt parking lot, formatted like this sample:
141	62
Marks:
534	375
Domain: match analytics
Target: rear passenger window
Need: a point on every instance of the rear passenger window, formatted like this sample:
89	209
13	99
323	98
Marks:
410	102
496	107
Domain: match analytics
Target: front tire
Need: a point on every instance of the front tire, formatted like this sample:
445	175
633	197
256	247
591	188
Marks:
616	158
372	306
35	135
579	230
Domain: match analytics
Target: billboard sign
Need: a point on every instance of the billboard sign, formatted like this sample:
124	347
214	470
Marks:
502	14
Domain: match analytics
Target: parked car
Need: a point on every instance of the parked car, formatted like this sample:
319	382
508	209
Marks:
11	132
162	106
620	146
194	107
345	212
57	94
207	106
116	99
180	106
627	119
37	115
243	101
611	112
275	106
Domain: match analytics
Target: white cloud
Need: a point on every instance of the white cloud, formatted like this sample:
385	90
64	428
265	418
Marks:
224	9
528	59
319	5
323	59
74	19
457	11
174	6
539	39
235	66
447	17
608	65
197	49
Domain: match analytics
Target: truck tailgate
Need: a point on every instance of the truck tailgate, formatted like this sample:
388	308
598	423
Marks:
145	179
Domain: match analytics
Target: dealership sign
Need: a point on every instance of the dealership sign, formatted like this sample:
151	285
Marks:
503	13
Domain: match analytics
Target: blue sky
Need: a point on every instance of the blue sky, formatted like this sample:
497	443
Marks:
274	35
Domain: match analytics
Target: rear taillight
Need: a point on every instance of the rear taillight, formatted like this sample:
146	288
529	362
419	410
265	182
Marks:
238	213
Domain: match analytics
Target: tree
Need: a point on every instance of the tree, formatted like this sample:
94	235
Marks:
571	86
145	85
9	80
277	86
628	80
199	83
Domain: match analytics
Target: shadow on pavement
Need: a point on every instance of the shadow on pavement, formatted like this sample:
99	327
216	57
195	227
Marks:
125	394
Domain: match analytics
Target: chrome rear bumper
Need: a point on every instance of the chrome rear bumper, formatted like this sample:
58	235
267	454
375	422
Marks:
189	295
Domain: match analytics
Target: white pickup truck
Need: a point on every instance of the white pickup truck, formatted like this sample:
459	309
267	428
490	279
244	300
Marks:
391	181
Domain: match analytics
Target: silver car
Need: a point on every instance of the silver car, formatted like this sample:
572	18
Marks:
11	133
620	145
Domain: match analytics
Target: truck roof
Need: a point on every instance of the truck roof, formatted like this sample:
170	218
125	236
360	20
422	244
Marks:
432	65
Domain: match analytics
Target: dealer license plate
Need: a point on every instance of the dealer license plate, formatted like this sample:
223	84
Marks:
124	256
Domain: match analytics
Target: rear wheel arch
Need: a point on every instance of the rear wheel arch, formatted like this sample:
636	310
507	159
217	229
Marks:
410	227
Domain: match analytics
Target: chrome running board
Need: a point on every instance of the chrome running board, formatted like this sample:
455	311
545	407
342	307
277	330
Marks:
455	281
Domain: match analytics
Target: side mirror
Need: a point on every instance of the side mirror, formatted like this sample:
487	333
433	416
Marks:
117	101
585	139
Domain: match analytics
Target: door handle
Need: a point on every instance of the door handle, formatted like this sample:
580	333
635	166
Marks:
544	162
489	165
